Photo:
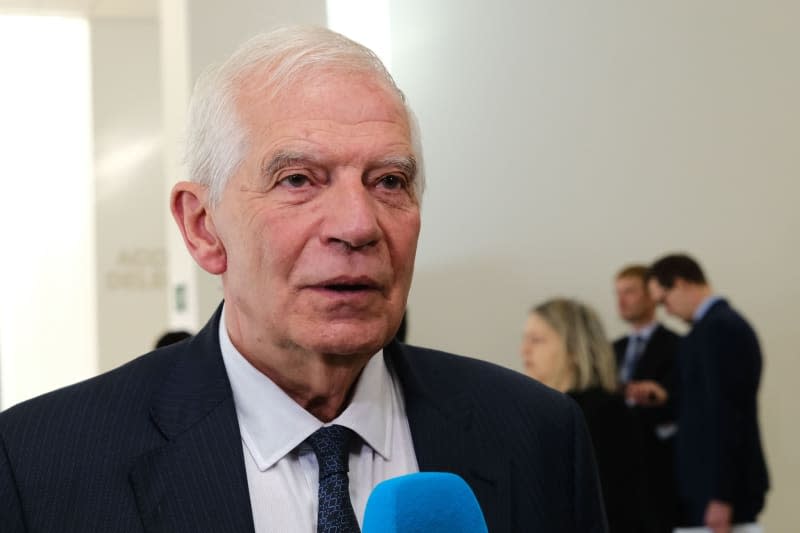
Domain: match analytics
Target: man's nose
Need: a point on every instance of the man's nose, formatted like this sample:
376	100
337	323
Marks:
351	218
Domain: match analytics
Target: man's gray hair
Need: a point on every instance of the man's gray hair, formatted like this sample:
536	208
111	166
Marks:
216	140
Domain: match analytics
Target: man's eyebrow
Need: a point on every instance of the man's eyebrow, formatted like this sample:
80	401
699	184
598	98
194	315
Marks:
286	158
283	159
407	164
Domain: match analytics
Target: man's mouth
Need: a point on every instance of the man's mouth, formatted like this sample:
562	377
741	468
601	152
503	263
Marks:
347	288
346	284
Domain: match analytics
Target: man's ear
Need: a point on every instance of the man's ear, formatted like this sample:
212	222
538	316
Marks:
655	290
189	205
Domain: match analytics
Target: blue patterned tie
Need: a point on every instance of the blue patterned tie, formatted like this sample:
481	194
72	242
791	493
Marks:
632	355
331	445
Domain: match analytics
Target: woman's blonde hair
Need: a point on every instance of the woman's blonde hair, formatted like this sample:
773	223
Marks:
585	340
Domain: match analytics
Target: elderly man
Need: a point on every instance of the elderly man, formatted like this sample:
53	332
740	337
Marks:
721	471
293	402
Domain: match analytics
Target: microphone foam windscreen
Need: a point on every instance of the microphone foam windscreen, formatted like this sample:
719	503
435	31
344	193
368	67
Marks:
429	502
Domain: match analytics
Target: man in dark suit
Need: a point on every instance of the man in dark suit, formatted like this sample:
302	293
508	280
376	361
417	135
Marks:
293	402
645	358
721	471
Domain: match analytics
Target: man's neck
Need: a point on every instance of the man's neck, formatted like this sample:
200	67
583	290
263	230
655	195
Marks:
323	389
700	294
322	384
642	323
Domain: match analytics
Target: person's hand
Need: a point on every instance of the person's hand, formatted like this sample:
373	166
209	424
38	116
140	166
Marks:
718	516
645	392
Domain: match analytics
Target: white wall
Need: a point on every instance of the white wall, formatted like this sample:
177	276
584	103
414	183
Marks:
47	275
130	199
564	139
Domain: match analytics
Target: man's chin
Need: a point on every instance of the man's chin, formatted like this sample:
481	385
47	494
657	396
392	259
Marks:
343	333
346	342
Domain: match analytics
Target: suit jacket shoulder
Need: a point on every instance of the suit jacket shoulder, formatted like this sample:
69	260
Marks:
728	343
135	449
721	319
521	446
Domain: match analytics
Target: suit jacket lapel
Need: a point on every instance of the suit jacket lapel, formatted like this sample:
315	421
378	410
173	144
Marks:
445	436
196	481
645	359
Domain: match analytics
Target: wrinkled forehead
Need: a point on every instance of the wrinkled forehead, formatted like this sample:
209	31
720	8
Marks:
356	103
317	99
262	86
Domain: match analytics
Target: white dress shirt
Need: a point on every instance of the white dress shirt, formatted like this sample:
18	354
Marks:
282	474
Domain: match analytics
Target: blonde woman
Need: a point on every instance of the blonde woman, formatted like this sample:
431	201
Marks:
565	347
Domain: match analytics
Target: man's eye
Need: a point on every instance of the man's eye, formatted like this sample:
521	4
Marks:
295	180
392	181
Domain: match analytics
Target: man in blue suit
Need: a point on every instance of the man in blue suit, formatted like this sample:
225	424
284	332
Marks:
721	472
293	402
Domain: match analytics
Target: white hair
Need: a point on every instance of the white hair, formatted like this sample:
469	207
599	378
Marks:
216	139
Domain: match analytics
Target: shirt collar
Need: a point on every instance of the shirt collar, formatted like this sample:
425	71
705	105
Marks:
646	332
272	424
703	308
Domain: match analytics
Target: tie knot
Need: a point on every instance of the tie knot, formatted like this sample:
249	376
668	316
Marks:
638	341
331	445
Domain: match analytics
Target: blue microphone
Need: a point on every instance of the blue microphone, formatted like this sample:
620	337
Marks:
427	502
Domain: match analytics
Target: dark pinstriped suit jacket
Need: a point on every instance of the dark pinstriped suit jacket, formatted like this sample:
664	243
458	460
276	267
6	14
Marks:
155	446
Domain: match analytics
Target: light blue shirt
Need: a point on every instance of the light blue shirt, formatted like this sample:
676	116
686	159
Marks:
703	308
646	332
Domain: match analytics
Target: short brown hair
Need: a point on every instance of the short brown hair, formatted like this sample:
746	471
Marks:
635	270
